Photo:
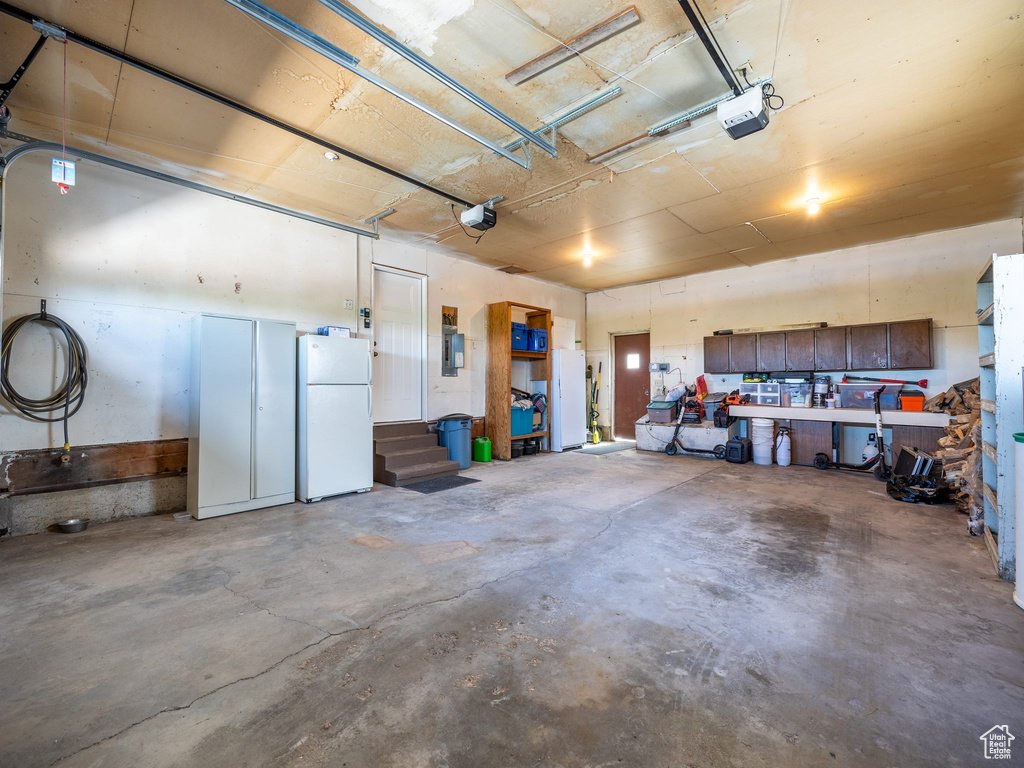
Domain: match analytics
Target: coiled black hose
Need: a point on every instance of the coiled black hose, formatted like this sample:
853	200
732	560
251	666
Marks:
70	394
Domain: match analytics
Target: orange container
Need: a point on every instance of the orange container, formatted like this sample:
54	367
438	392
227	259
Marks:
912	401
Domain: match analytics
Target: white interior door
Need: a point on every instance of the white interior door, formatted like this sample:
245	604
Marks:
398	331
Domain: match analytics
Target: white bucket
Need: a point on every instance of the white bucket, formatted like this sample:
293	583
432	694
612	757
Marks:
762	435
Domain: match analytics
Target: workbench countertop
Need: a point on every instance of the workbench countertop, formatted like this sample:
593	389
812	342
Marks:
842	415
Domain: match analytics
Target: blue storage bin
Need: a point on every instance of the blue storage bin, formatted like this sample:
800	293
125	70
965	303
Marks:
519	336
522	421
538	340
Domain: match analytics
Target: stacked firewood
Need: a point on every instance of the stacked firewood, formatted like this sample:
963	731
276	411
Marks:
960	449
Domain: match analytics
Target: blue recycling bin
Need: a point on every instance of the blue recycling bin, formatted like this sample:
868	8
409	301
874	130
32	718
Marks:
453	433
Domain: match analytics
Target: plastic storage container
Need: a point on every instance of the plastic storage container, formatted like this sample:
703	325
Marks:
482	449
519	336
863	395
911	401
762	393
522	421
662	411
453	433
796	395
537	339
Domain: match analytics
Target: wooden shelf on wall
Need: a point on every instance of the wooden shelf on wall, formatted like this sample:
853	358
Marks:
499	371
526	354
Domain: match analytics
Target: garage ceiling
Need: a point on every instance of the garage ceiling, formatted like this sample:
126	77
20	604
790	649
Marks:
901	117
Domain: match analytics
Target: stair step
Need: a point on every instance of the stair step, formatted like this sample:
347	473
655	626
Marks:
381	431
397	459
425	478
418	472
388	445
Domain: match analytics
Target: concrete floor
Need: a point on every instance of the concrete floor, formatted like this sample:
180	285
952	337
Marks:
569	610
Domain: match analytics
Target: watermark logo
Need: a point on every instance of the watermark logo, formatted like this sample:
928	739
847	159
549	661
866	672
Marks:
997	742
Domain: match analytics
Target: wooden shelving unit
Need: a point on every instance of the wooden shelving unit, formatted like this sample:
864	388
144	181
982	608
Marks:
500	359
1000	358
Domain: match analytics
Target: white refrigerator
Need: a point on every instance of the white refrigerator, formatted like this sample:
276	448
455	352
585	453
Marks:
335	420
568	401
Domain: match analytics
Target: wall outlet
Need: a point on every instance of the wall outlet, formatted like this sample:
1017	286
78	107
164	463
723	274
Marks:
349	304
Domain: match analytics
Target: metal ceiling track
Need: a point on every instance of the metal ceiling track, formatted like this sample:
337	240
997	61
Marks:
45	146
47	28
414	58
699	24
703	109
571	115
330	51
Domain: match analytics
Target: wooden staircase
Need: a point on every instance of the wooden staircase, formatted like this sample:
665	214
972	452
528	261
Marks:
408	453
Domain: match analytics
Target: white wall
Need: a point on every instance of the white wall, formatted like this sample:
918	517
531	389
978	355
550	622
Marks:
128	261
470	287
931	275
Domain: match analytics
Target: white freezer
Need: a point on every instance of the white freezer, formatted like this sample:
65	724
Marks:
334	360
568	401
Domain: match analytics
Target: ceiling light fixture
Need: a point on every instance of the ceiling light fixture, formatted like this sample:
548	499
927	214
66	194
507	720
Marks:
813	206
587	259
332	156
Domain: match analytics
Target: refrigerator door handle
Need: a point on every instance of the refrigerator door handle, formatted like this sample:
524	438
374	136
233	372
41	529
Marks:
369	403
369	365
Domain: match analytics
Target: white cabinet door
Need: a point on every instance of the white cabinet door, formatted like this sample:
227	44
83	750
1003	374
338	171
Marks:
398	332
274	443
225	411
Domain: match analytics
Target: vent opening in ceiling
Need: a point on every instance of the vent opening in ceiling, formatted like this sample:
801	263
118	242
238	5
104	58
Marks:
512	269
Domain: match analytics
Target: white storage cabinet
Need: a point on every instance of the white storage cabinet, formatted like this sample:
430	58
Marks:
241	438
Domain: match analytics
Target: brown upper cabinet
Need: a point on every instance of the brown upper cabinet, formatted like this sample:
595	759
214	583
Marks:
716	354
771	352
872	347
869	347
830	349
800	350
743	352
910	344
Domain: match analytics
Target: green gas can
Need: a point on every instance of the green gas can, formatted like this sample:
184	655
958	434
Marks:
482	449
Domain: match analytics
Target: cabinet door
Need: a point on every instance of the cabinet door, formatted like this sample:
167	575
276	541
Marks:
274	443
743	353
225	411
800	350
910	344
716	354
808	438
869	347
830	349
771	352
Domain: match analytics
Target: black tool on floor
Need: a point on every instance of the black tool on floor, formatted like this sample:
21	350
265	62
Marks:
876	464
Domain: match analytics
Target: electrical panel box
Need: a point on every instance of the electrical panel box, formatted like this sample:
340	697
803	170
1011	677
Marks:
453	343
453	351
